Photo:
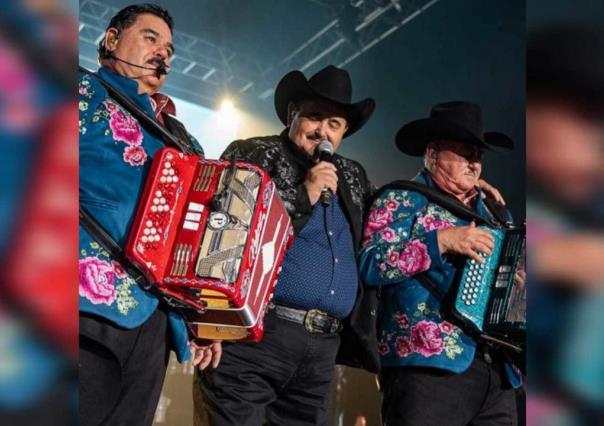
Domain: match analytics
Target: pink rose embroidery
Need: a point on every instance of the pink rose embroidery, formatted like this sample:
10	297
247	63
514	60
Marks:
135	155
393	258
391	204
383	348
426	338
377	219
431	223
404	347
446	327
118	270
388	234
427	221
97	281
125	128
83	90
414	258
403	321
110	106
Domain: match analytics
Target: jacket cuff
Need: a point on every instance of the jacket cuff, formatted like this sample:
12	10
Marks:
436	259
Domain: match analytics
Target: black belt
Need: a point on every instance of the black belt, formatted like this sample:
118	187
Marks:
314	320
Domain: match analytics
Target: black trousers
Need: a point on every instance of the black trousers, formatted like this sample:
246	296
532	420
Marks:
284	379
479	396
122	371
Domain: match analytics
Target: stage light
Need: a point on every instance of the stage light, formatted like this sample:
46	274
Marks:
227	105
228	116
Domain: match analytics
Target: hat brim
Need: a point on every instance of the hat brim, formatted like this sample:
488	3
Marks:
413	137
294	87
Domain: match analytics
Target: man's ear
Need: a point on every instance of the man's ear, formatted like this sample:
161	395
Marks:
111	39
292	110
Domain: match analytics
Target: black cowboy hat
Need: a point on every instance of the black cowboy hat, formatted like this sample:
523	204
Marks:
457	121
332	84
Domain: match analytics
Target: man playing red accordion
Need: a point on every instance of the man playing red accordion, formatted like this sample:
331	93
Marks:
126	333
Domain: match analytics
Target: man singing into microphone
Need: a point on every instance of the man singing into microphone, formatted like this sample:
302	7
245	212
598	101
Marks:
126	333
319	308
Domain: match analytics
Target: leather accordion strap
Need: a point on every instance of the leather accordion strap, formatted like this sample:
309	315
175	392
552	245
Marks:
97	232
442	199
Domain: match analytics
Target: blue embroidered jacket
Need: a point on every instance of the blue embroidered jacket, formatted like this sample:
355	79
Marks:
400	242
115	155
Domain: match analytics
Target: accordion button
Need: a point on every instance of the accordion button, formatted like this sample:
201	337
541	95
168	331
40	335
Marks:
175	178
162	179
165	172
158	193
149	223
144	239
167	165
171	171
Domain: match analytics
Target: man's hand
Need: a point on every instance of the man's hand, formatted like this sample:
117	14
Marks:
465	240
319	177
520	278
203	355
491	190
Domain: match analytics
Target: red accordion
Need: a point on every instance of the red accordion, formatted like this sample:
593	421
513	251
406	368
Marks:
212	236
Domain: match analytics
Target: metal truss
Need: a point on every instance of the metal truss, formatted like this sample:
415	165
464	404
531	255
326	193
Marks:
358	26
206	71
212	70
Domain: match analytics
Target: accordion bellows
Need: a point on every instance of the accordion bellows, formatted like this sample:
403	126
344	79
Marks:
212	236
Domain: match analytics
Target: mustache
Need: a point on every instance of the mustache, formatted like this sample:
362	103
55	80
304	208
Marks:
316	136
157	62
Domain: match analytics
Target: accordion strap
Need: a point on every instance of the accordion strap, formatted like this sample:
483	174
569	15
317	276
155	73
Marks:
149	122
101	236
97	232
444	200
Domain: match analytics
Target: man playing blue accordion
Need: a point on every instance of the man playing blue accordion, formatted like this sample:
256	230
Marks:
434	371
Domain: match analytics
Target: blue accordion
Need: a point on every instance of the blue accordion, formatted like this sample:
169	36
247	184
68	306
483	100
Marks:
489	301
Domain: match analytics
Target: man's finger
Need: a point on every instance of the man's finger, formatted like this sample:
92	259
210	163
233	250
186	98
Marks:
473	255
217	349
207	357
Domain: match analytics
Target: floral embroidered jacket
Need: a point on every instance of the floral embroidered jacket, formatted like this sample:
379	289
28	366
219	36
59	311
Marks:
400	242
115	155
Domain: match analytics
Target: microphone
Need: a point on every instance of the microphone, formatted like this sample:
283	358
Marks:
325	153
160	70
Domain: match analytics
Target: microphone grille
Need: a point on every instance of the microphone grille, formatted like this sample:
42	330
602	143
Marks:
325	146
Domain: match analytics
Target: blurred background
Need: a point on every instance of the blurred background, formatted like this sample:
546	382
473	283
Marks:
38	200
565	210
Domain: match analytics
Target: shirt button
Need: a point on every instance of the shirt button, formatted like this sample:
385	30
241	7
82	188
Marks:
330	233
336	260
332	292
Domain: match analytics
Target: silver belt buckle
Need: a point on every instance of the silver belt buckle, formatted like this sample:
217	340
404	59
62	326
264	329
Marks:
308	321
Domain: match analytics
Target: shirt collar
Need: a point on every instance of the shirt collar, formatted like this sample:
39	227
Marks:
162	103
127	85
130	88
